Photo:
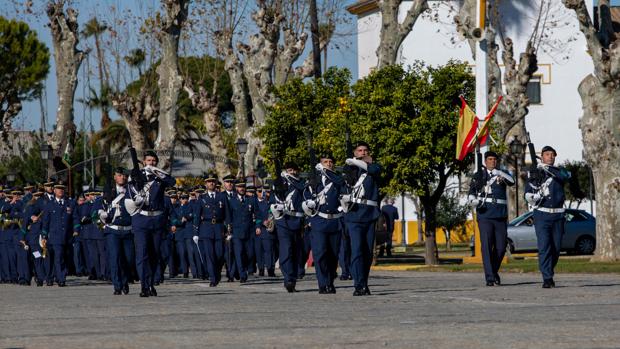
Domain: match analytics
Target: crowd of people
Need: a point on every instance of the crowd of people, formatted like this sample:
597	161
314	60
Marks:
144	225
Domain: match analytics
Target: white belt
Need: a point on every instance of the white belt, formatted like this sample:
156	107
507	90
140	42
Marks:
150	213
293	213
330	215
550	210
496	201
119	227
365	202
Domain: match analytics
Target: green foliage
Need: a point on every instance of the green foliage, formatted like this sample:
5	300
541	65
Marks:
581	171
29	168
303	109
450	213
24	60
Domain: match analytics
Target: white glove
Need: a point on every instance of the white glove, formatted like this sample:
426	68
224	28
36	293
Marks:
195	238
319	167
103	215
284	174
473	201
504	175
532	198
359	163
542	166
311	204
26	247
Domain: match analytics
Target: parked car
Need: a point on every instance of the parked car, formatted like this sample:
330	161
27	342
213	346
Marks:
579	233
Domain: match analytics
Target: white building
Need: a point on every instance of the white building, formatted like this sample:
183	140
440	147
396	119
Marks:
562	59
554	118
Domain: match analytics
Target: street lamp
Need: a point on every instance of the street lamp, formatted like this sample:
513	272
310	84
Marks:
242	148
516	149
10	177
46	155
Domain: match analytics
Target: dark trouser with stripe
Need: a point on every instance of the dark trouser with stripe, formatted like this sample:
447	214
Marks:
344	256
120	256
362	243
289	253
58	270
325	248
493	235
549	232
147	239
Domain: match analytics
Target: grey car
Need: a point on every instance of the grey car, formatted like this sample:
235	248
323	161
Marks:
579	233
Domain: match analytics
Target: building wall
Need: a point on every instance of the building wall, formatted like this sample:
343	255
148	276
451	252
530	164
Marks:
434	40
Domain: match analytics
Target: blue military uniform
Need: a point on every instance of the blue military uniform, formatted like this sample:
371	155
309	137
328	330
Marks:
326	227
5	242
37	261
242	223
229	254
60	220
149	224
488	193
19	256
289	228
119	240
360	220
183	221
545	191
266	239
212	211
391	214
85	252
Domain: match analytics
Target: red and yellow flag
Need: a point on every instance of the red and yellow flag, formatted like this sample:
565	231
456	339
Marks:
483	133
466	132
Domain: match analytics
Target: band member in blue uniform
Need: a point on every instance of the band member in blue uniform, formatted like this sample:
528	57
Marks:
60	223
487	193
117	229
32	223
148	221
545	193
241	224
362	210
229	254
265	233
325	220
209	221
184	230
289	215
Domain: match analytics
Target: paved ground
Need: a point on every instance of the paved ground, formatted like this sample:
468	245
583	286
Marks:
406	310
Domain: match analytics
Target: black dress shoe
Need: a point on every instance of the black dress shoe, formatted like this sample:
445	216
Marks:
212	284
230	280
92	277
344	277
548	283
117	292
331	289
153	292
490	283
145	293
125	289
50	283
39	283
367	291
61	284
156	283
497	281
243	280
185	275
261	272
359	292
290	287
271	273
323	290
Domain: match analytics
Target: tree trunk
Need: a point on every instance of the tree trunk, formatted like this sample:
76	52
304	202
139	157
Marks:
65	37
170	81
103	83
430	227
316	47
208	105
138	112
601	141
420	214
392	32
600	124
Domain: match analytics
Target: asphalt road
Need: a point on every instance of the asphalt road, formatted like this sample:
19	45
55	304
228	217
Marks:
406	310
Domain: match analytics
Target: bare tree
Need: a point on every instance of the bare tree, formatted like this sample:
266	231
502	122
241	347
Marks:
600	124
393	33
170	80
65	38
138	113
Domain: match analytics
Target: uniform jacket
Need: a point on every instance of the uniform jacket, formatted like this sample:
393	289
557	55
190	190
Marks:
364	213
60	220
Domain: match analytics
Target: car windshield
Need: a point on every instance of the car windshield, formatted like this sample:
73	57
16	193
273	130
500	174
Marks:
520	219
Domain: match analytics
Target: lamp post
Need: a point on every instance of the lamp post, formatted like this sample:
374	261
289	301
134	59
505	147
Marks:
242	148
516	149
10	177
260	171
46	154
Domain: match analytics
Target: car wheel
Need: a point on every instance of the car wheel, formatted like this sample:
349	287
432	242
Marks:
585	245
510	246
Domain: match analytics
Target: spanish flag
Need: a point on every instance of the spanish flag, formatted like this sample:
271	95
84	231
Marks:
466	132
483	133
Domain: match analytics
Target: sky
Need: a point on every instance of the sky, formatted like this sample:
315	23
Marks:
343	53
